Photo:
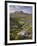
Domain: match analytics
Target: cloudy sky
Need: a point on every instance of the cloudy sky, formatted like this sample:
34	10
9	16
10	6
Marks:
25	9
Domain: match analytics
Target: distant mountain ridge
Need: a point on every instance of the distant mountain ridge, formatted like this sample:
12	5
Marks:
20	12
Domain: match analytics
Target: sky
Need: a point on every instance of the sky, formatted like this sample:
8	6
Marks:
24	9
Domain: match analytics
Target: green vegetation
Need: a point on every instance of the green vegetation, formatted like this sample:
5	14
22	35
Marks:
20	22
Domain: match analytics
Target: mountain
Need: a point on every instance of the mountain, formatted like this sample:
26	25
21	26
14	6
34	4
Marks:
19	14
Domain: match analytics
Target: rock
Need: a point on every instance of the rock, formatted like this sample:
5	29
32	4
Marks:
24	33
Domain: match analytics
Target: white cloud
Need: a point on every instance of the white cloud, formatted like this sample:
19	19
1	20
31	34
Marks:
21	8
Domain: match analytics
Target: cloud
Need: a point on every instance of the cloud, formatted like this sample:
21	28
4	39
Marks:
25	9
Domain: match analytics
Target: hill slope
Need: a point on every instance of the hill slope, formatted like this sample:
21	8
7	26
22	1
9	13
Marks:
19	22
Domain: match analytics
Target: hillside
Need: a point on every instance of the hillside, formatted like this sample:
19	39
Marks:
20	22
